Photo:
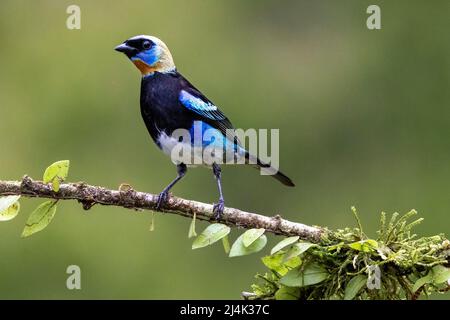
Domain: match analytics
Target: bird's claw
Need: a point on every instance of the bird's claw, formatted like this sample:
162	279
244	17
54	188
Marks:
162	199
218	209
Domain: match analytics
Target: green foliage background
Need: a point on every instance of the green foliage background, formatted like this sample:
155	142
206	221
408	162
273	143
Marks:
364	118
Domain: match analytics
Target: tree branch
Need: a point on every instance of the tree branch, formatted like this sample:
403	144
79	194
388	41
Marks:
348	254
128	198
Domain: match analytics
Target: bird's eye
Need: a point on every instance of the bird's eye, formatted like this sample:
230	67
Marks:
146	45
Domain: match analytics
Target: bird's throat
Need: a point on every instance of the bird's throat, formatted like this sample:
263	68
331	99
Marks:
160	66
144	68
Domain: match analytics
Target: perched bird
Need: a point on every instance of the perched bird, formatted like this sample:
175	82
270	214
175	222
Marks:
170	102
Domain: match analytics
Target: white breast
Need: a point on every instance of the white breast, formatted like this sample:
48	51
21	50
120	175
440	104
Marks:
184	152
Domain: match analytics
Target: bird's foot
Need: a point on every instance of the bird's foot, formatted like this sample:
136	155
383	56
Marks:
162	199
218	209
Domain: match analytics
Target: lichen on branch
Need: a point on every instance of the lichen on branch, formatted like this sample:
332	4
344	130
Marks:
126	197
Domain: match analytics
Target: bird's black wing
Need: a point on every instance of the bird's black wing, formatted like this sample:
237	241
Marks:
193	100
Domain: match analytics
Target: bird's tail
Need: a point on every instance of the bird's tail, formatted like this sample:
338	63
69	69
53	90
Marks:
258	164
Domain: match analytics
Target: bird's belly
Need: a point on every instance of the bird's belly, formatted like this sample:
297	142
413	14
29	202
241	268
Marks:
192	155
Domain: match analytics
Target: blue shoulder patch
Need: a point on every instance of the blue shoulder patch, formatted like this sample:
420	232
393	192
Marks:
203	108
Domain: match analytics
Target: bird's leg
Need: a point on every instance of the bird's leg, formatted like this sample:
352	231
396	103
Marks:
218	207
163	196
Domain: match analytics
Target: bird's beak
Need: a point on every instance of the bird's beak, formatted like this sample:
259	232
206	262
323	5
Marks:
124	48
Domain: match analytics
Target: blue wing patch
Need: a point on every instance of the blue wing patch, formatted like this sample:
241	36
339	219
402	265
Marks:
206	109
201	107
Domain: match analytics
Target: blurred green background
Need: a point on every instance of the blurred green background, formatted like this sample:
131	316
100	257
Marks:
364	120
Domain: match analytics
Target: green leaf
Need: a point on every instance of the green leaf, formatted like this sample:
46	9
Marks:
301	277
226	244
214	232
192	232
287	293
239	249
364	245
354	286
40	218
293	263
275	263
55	185
372	243
422	281
9	207
441	274
297	249
438	274
56	173
284	243
251	235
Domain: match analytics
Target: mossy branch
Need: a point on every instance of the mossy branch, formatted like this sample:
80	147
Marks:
348	265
